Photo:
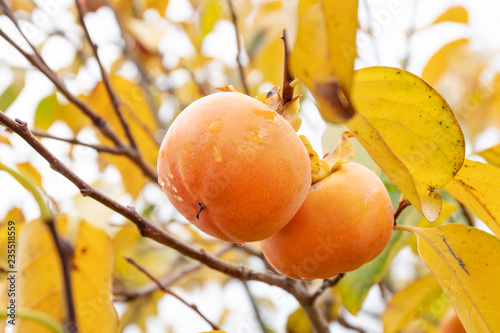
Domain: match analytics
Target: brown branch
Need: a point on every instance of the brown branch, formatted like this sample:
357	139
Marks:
149	230
467	215
254	307
127	294
259	255
170	292
346	324
287	94
234	18
115	101
327	283
99	148
65	253
98	121
402	205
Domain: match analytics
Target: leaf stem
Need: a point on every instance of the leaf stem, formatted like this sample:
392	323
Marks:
40	317
402	205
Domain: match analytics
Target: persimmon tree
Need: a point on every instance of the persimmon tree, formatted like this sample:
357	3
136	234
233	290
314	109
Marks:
116	242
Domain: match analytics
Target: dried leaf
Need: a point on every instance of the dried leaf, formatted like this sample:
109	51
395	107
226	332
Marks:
342	153
410	132
290	111
323	35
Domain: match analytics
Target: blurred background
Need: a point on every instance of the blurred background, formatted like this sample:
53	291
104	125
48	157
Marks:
162	56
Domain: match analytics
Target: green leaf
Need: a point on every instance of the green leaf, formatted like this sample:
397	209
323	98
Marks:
10	94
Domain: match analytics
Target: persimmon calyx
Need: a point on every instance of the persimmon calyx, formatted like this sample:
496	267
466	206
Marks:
342	153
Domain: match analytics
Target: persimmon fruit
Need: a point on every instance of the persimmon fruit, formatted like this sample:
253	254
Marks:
451	324
234	167
345	222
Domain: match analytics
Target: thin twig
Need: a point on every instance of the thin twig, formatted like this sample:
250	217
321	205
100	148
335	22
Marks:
234	18
98	121
99	148
259	255
402	205
115	101
467	215
327	283
287	94
254	307
344	323
65	253
170	292
128	294
371	23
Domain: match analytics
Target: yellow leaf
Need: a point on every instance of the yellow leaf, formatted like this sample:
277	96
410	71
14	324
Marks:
464	260
139	309
439	62
456	14
319	167
491	155
27	170
290	111
210	13
324	49
40	284
410	132
5	140
146	34
128	243
141	122
159	5
342	153
477	186
411	302
298	322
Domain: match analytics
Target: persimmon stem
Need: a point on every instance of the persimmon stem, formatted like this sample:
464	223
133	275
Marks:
287	94
402	205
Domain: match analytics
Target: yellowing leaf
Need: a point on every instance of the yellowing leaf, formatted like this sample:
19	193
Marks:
28	170
491	155
141	122
342	153
290	112
5	140
298	322
159	5
10	94
409	303
144	33
139	309
50	109
477	186
464	260
40	284
319	167
210	13
439	62
324	49
456	14
410	132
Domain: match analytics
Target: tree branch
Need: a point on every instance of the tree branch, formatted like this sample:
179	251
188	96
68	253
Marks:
234	18
115	101
99	148
327	283
65	253
402	205
254	307
170	292
346	324
98	121
167	281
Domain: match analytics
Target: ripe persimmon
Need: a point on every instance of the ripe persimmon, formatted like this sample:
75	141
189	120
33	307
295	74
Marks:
451	324
345	222
234	167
